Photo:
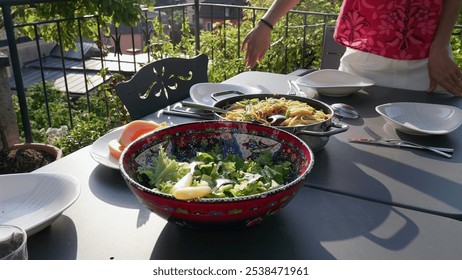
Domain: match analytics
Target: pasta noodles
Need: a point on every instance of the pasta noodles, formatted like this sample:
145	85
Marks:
298	113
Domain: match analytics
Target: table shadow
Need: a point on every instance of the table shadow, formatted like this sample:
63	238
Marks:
365	184
108	185
293	233
322	174
56	242
334	214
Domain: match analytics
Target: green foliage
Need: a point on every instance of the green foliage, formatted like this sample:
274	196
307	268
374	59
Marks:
109	11
90	118
88	128
298	46
221	46
38	113
163	46
456	43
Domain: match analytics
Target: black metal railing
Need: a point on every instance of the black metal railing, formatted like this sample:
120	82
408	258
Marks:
166	14
131	47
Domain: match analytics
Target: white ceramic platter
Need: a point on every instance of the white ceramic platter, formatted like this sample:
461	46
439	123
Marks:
421	118
269	82
334	83
202	92
32	201
260	82
100	149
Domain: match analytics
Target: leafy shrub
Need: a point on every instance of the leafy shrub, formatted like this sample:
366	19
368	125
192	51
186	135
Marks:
298	46
86	120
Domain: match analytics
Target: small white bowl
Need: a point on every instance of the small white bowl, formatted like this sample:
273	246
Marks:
335	83
201	92
421	118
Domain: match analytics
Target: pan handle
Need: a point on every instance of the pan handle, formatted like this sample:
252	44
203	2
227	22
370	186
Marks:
203	107
334	128
216	94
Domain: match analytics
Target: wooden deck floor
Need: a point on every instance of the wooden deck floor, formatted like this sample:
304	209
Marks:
77	81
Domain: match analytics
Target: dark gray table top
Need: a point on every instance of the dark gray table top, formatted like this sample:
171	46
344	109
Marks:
320	223
404	177
107	222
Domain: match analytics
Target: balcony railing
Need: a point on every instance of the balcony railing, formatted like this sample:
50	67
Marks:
77	72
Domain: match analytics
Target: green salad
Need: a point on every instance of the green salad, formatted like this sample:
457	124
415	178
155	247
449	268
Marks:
203	175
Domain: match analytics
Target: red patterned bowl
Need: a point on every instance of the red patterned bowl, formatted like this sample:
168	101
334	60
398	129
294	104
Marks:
184	140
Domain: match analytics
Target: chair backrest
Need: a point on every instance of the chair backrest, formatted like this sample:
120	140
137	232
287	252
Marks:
332	51
161	83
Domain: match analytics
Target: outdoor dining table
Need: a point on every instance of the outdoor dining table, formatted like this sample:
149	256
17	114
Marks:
359	202
408	178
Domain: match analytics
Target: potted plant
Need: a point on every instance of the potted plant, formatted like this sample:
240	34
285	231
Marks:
25	157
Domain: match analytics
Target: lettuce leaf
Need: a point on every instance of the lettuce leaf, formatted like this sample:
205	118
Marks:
250	176
164	171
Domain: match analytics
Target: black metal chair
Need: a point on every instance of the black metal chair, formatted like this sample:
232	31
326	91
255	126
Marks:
161	83
331	53
331	50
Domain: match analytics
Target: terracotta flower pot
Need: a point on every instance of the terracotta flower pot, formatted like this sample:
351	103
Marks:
27	157
50	149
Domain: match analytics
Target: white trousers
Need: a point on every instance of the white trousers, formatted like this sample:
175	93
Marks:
403	74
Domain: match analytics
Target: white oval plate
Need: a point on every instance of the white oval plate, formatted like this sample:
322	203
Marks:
269	82
201	92
334	83
421	118
100	149
32	201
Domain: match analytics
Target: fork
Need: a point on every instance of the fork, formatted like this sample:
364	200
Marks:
294	89
408	144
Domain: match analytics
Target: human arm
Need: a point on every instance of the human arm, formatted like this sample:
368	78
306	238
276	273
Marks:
258	39
441	68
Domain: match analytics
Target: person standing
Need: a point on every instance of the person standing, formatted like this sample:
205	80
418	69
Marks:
402	44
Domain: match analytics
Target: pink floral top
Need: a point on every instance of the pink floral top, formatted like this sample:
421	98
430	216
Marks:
398	29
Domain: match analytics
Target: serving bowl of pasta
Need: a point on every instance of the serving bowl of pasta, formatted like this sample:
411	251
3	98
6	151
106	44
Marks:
175	172
307	118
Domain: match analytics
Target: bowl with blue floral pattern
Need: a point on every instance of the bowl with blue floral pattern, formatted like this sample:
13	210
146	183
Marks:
216	173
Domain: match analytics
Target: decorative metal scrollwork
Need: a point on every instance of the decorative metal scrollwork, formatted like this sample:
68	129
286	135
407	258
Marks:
163	84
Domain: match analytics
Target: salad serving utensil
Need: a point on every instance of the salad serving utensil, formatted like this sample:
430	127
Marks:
274	120
203	107
189	114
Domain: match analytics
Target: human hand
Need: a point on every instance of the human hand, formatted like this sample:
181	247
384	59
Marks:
444	71
257	43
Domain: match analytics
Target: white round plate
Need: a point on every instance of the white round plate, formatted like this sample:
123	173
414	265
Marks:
201	92
32	201
421	118
334	83
100	149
